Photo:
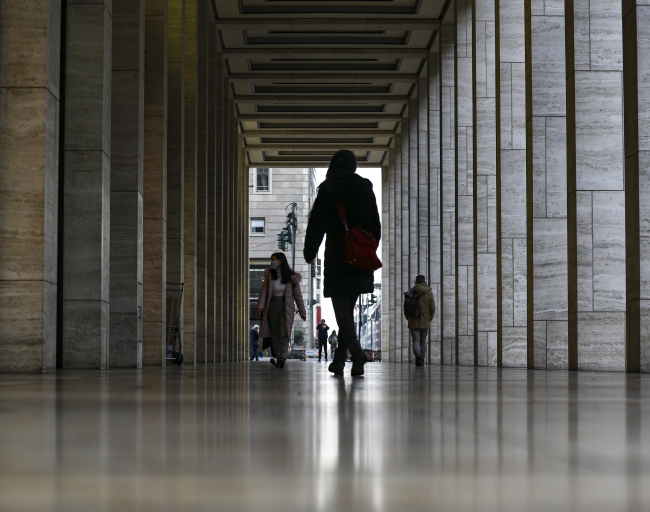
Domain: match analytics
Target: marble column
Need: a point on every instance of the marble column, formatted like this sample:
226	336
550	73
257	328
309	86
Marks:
226	205
386	257
391	257
546	150
189	186
155	184
485	182
201	179
211	199
242	173
175	142
30	37
86	225
229	239
432	135
246	255
447	304
464	183
512	186
234	219
405	273
127	164
636	66
414	226
596	191
220	247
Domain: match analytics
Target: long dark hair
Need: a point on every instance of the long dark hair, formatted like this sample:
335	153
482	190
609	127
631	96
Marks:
285	269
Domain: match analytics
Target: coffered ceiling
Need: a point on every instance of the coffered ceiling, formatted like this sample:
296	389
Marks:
309	77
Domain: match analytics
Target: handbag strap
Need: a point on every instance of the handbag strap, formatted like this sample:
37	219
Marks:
341	210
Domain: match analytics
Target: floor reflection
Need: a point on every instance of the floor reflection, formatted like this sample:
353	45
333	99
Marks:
250	437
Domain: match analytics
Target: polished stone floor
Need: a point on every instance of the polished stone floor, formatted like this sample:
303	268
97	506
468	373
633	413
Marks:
248	437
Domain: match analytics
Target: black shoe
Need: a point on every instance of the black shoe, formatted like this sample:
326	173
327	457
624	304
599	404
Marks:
337	367
281	361
273	361
357	365
419	361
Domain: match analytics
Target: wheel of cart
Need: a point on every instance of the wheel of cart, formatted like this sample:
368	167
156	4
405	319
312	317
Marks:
173	321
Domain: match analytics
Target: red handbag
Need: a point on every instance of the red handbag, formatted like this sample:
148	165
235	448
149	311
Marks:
360	246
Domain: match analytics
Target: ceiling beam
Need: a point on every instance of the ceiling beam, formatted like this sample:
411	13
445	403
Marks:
329	99
353	117
312	133
328	23
406	53
293	77
314	147
306	163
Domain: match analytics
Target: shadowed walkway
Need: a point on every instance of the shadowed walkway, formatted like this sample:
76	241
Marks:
241	437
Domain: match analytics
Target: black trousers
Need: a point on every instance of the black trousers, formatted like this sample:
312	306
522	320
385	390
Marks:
344	312
322	344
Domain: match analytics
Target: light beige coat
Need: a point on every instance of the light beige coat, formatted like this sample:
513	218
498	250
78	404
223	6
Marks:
292	294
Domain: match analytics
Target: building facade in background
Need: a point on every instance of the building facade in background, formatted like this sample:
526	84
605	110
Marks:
272	192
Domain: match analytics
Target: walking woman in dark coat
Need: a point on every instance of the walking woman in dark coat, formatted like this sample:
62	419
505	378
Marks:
343	282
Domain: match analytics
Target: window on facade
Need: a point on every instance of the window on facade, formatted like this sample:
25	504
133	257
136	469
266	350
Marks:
257	226
256	274
263	180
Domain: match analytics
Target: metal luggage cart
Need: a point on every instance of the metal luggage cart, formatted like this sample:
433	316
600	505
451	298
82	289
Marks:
174	341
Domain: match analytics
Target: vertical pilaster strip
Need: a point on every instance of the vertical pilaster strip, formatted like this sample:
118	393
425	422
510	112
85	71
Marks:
546	163
433	167
448	304
86	251
512	186
175	143
155	184
29	183
211	190
189	186
405	278
464	183
201	178
485	181
636	47
596	213
127	162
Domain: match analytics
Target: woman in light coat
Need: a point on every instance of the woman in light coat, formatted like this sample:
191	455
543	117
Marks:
280	290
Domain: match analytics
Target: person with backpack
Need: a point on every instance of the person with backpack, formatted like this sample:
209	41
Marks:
344	201
334	343
419	308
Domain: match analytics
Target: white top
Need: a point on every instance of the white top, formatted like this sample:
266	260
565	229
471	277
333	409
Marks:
278	286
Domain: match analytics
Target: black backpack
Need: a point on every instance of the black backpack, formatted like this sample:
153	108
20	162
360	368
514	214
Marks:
412	304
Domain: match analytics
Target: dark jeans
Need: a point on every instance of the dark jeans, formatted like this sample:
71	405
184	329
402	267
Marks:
344	312
322	344
254	352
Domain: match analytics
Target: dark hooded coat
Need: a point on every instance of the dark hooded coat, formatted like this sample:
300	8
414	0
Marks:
360	205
